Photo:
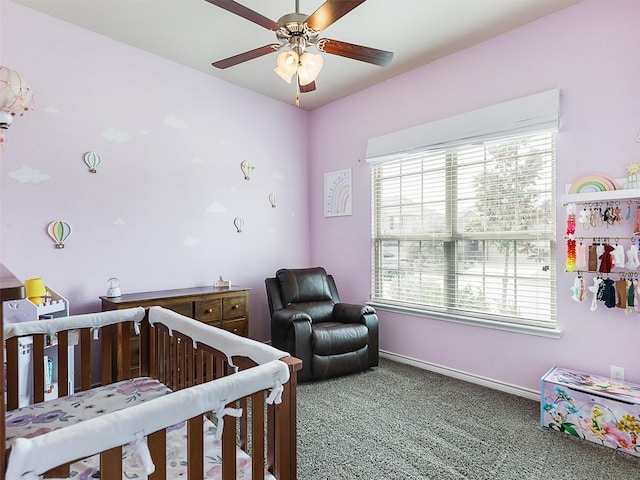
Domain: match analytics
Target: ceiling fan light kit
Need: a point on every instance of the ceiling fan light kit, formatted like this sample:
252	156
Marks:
309	68
298	32
287	65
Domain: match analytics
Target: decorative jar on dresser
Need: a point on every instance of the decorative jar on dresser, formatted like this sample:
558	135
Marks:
226	308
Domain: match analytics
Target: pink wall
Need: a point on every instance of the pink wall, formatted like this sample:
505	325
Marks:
149	215
159	212
590	52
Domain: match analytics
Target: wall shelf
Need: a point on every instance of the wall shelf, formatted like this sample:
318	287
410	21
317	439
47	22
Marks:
619	195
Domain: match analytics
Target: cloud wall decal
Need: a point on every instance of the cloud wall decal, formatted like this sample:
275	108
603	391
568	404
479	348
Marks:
116	136
29	175
174	122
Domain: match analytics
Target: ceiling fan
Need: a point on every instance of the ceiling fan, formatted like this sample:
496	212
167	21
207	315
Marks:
299	32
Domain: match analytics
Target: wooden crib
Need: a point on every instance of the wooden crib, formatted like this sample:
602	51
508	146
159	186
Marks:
213	376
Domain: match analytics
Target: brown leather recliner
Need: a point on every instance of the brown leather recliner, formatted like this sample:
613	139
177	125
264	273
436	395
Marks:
309	321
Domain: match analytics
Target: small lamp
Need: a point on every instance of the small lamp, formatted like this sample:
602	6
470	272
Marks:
35	290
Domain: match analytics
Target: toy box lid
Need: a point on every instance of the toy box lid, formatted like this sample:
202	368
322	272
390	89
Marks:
595	384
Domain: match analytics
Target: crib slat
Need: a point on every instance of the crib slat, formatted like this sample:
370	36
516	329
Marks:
157	442
63	363
257	436
164	351
38	368
85	359
190	370
173	380
244	422
152	365
143	351
180	365
12	373
111	464
123	357
195	448
229	448
61	471
107	337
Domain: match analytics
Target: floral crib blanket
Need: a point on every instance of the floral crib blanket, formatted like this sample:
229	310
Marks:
44	417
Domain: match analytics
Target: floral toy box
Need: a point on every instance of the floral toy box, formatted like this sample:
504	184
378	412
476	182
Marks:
594	408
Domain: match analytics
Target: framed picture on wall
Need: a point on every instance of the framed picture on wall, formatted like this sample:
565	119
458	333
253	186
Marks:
337	193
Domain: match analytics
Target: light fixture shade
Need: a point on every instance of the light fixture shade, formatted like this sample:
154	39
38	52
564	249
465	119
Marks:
287	65
15	94
309	69
35	290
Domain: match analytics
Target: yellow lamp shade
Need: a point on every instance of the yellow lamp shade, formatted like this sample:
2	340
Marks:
35	290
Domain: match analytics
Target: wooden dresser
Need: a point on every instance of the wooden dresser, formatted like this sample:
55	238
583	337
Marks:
226	308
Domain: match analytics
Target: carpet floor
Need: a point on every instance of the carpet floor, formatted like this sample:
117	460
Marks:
400	422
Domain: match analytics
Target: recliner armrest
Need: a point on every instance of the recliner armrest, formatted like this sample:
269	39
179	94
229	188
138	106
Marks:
285	317
351	313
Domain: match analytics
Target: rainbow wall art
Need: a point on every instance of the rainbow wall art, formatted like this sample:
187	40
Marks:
337	193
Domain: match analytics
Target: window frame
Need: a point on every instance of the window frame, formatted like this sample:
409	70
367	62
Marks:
450	243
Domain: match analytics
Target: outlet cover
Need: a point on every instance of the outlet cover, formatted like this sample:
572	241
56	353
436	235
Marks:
617	373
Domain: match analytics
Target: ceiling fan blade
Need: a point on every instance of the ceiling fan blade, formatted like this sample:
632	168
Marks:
243	57
329	12
309	87
247	13
355	52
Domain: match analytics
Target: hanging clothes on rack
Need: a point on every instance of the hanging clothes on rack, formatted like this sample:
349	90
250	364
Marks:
606	260
609	293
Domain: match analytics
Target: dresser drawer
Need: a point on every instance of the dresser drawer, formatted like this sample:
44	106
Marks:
209	310
234	307
239	326
183	308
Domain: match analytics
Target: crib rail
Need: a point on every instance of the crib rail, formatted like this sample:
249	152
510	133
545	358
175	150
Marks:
269	439
178	356
81	330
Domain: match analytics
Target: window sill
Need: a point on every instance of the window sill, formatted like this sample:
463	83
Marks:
477	322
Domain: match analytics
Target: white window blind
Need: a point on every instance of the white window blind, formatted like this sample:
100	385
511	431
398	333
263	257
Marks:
466	229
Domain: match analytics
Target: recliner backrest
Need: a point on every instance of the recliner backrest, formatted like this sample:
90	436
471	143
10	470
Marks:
310	290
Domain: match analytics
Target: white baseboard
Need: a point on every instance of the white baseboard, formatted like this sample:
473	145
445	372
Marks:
467	377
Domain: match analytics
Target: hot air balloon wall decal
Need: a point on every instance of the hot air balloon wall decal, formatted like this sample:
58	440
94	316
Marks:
247	168
93	161
239	223
273	199
59	231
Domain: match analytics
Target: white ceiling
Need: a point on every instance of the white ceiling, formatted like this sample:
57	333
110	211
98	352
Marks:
196	33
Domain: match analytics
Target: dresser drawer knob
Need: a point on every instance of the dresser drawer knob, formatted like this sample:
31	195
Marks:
210	310
235	307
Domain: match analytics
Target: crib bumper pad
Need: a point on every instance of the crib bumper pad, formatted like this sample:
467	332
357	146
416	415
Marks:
31	457
226	342
88	320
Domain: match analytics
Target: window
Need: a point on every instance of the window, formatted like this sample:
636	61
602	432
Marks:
466	231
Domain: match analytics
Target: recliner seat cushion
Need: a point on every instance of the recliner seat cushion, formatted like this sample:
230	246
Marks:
332	338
